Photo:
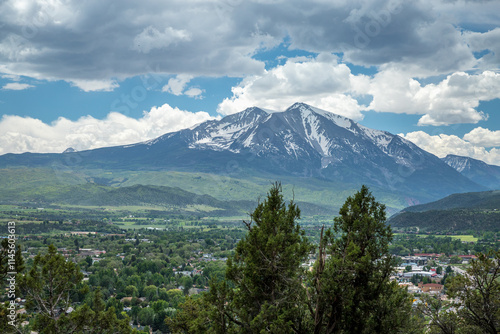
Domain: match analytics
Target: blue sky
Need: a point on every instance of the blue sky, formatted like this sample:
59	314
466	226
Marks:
92	74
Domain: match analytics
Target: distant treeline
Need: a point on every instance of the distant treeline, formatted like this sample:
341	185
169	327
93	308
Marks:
458	220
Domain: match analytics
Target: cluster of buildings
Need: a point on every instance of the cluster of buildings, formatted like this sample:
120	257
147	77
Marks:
420	268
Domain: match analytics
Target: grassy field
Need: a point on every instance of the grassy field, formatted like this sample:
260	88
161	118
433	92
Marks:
48	184
462	237
132	225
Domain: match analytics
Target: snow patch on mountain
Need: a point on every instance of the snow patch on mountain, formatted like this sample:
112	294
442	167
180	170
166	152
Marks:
458	163
315	137
301	132
381	138
341	121
290	146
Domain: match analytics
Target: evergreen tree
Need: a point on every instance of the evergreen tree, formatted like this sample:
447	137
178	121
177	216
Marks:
478	294
9	252
266	269
263	291
49	287
266	290
350	290
440	319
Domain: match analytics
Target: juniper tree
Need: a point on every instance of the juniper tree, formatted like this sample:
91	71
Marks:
263	291
266	269
266	291
11	266
477	294
350	290
49	287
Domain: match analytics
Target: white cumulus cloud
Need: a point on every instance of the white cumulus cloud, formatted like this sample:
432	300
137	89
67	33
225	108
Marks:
95	85
322	82
442	145
26	134
483	137
177	85
151	38
194	92
453	100
16	86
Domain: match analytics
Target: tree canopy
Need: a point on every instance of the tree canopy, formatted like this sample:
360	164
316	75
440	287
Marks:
268	291
352	292
49	287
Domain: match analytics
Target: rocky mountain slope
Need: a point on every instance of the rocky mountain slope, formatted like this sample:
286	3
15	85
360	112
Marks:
476	170
300	142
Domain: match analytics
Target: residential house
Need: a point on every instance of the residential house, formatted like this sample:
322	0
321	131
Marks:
431	288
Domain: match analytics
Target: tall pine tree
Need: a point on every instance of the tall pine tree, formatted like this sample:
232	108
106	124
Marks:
267	291
266	269
263	291
350	290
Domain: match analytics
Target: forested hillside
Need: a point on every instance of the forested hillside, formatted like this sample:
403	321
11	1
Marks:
477	211
489	200
456	220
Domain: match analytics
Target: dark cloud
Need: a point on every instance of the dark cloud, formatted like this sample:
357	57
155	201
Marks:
101	41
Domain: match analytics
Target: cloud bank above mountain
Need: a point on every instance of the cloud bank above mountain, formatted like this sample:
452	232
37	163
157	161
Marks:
21	134
471	145
436	60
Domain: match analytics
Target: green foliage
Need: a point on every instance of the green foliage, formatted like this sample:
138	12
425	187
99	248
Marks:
261	288
455	220
441	320
12	252
435	244
146	316
455	259
266	267
475	306
474	200
48	287
175	297
93	186
131	291
192	319
151	292
93	320
351	290
267	291
478	293
264	290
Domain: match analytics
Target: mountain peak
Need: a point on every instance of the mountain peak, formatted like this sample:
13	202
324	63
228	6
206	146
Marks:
69	150
302	141
298	105
455	156
304	107
476	170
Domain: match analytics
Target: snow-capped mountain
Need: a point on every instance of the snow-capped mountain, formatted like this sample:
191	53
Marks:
301	134
301	131
476	170
301	141
306	141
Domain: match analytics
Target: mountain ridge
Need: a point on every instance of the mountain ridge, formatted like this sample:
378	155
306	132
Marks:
457	212
300	142
476	170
